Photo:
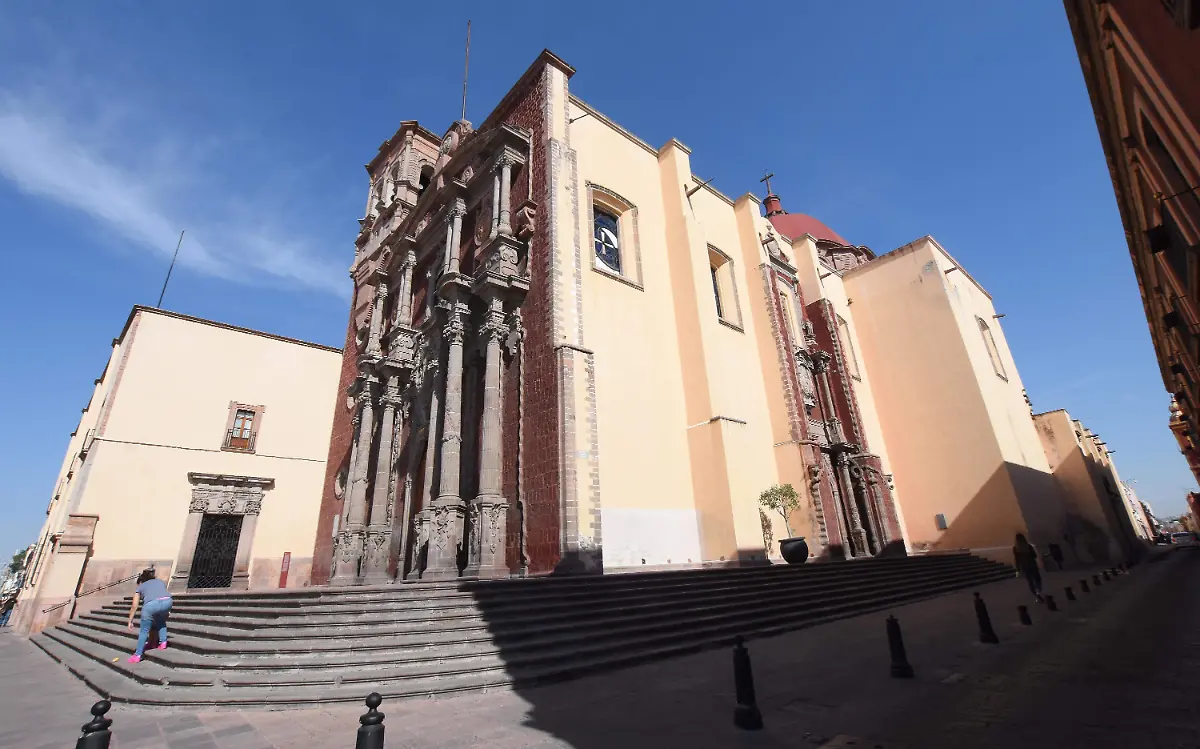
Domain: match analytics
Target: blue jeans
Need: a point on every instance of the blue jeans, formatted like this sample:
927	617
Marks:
154	616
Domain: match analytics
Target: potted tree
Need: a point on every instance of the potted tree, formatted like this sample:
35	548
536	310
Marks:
784	499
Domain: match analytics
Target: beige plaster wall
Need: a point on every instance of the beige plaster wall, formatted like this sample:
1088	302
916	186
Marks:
948	454
686	441
647	506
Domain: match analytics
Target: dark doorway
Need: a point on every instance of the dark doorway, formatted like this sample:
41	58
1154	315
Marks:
216	551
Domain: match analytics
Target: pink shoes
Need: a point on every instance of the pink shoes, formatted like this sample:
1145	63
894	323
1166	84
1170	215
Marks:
162	645
135	659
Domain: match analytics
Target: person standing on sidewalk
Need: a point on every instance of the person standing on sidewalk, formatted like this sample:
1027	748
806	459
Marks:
156	606
1025	557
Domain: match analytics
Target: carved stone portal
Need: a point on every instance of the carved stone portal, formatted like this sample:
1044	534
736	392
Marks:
220	495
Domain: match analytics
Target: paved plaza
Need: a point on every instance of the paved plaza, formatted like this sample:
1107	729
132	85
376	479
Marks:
1118	668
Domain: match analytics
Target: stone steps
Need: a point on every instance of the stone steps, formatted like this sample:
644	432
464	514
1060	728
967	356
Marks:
277	663
345	619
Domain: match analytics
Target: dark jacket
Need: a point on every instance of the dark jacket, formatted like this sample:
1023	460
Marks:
1025	558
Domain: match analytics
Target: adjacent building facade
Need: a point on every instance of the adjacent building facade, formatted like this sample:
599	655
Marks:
201	453
1141	62
1105	521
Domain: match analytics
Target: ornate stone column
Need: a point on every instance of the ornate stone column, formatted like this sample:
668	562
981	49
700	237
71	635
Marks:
505	164
850	507
379	531
404	308
833	423
449	510
454	218
862	490
429	484
376	329
488	511
350	540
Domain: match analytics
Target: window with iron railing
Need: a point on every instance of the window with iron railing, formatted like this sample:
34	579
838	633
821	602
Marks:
243	427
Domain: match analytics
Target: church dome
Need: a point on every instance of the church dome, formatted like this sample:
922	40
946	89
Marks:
796	225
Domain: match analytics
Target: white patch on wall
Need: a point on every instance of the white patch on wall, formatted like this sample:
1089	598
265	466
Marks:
658	536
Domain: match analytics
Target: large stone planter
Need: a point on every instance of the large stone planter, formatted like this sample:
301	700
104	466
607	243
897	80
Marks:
794	550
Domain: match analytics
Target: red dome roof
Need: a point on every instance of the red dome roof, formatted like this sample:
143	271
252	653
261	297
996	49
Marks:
796	225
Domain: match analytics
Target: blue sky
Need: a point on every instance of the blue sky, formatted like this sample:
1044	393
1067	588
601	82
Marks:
248	123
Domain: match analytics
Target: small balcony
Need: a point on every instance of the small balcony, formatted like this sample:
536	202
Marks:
238	440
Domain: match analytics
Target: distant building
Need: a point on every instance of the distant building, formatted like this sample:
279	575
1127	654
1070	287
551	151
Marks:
1141	62
1103	524
201	453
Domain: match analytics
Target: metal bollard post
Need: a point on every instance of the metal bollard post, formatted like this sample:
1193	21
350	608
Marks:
746	715
1105	575
1050	604
370	732
901	669
1084	586
95	732
1070	593
986	633
1096	581
1023	615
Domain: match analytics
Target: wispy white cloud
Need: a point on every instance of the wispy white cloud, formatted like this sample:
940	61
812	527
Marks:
143	192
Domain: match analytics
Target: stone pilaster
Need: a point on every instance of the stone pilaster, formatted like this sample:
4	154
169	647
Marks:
379	529
349	545
858	536
448	510
454	235
488	511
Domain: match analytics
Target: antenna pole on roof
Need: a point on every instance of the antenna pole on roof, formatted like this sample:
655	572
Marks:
466	69
169	269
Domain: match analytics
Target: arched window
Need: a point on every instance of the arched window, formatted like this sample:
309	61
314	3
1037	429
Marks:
606	234
614	235
426	178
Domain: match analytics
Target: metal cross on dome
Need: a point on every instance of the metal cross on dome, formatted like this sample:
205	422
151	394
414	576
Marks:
767	178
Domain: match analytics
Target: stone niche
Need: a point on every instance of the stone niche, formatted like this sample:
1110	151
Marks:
218	494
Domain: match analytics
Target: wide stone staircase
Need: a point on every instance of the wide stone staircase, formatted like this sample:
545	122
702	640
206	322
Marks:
300	647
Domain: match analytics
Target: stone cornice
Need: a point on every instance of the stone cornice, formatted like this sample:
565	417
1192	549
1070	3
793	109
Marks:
228	480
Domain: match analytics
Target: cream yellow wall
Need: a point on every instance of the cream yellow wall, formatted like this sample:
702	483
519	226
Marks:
934	419
669	372
647	506
168	418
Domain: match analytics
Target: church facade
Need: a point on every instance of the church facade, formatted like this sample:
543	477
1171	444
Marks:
566	353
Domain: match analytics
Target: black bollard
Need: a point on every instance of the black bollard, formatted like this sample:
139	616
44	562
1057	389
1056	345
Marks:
1084	586
1096	581
746	715
95	733
370	732
1070	593
1105	575
1050	604
901	669
1023	614
987	634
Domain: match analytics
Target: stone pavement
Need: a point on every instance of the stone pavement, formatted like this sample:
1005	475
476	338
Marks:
1116	668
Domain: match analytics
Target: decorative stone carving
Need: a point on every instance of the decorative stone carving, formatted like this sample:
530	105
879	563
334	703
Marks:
525	222
199	504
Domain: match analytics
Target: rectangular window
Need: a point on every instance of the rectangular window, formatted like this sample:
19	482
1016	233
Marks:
724	287
848	351
940	521
242	428
993	353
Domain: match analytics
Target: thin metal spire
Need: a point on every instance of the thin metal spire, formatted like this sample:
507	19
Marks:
171	268
466	69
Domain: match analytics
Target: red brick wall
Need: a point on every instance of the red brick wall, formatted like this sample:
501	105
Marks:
1172	51
540	433
339	455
